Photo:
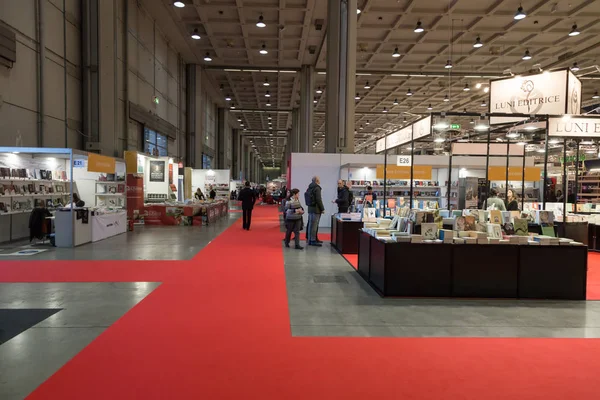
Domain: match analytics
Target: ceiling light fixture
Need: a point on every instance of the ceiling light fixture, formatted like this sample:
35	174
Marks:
207	57
527	55
357	97
319	91
478	86
478	43
483	104
269	117
466	88
574	31
266	82
232	106
267	94
520	13
596	95
195	35
228	98
358	11
368	123
239	120
409	92
522	143
361	128
486	89
268	104
385	109
439	140
429	107
512	135
448	64
419	27
367	86
261	22
179	4
575	67
472	121
446	98
396	53
263	50
315	101
395	102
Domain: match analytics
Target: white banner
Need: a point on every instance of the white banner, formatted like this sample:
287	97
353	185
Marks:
544	93
107	225
380	145
574	95
480	149
422	128
582	127
398	138
404	161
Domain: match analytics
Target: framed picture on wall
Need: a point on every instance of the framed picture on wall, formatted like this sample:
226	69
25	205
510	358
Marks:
157	171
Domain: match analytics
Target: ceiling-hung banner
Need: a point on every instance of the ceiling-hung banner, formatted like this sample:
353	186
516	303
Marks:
422	128
546	93
580	127
380	145
398	138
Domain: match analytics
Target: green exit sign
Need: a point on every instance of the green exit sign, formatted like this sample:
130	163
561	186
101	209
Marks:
455	126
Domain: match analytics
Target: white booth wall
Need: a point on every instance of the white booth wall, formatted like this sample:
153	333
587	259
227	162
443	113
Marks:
199	180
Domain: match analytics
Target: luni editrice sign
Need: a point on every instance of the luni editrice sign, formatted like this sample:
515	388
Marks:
580	127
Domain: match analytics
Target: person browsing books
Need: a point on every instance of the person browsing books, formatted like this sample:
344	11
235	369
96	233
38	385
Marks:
512	201
248	198
494	202
199	195
370	196
293	219
343	197
212	194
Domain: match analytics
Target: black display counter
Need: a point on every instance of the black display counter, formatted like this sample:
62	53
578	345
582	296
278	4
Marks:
479	271
345	234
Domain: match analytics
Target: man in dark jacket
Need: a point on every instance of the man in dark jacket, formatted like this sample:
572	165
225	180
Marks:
343	197
315	210
248	198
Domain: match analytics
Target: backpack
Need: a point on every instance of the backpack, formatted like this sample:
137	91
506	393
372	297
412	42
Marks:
309	198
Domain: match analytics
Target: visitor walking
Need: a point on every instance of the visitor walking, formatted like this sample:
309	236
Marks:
293	219
248	198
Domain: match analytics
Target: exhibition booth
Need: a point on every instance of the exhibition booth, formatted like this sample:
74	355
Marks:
161	192
43	182
500	202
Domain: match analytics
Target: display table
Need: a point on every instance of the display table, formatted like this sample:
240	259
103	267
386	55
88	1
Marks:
481	271
345	235
108	225
204	213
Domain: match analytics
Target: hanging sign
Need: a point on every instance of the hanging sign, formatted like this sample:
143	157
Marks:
398	138
404	161
405	135
532	174
98	163
583	127
380	145
420	172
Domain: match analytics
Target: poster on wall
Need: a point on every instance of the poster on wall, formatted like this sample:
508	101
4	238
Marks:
157	171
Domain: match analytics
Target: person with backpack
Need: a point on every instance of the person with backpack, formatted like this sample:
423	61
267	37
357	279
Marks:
293	219
314	201
343	197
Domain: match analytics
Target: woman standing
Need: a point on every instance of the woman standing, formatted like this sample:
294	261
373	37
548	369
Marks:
512	201
293	219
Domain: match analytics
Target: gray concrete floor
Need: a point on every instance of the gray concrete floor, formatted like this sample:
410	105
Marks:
327	297
87	309
144	243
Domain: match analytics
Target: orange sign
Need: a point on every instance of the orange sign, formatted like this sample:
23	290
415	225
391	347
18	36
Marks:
514	174
131	162
420	172
98	163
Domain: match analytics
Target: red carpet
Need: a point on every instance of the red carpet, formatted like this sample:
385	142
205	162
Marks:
219	328
352	259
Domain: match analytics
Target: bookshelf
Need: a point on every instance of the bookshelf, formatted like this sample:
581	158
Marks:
589	189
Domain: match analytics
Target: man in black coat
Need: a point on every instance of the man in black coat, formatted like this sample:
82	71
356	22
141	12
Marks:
248	198
343	197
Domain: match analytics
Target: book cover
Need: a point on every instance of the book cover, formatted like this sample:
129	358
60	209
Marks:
521	227
544	217
121	188
494	231
506	217
470	223
508	229
548	230
481	227
112	190
496	217
429	231
459	223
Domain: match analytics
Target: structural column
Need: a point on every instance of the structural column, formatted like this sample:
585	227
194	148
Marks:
307	87
341	76
222	115
295	132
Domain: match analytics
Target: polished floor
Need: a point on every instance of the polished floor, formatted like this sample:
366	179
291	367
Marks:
205	316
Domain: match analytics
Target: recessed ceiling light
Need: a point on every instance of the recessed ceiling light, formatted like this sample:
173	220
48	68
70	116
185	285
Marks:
520	13
261	22
357	97
574	31
448	64
207	57
527	55
396	53
466	88
195	35
179	4
409	92
596	95
263	50
228	98
319	91
267	94
429	107
575	67
395	102
419	27
367	86
478	43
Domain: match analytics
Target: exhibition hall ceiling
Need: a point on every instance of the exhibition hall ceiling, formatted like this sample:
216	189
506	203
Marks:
401	86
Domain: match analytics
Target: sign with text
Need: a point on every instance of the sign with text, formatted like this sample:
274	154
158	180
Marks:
422	128
532	174
404	161
157	171
98	163
544	93
420	172
398	138
380	145
415	131
583	127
